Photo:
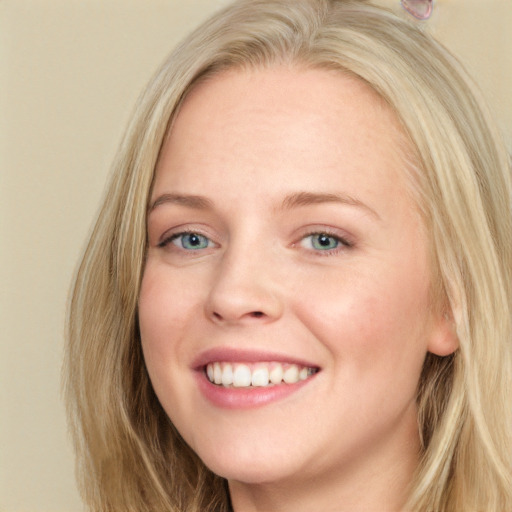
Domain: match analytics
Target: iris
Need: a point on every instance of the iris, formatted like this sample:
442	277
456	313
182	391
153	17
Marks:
191	241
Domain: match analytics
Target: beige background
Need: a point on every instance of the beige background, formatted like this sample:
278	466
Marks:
70	71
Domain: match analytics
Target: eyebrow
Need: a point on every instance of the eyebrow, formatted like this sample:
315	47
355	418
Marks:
190	201
311	198
295	200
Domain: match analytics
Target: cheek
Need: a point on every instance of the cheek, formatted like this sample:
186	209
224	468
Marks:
371	322
167	311
166	308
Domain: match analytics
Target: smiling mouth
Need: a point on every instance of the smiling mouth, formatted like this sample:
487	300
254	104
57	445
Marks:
247	375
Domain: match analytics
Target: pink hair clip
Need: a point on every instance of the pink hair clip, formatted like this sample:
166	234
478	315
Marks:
421	9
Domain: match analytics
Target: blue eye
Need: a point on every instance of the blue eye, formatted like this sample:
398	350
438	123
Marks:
191	241
323	242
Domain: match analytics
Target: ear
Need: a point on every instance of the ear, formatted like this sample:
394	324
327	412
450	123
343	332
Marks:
443	339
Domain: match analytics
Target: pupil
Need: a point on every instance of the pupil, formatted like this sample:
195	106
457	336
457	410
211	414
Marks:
194	240
324	240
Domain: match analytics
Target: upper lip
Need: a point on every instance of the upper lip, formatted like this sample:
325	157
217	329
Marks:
233	355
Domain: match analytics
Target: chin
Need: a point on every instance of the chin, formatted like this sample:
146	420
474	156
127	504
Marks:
249	467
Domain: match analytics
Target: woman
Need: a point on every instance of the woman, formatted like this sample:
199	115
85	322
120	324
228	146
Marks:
297	295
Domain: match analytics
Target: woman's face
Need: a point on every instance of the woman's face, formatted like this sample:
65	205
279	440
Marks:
286	253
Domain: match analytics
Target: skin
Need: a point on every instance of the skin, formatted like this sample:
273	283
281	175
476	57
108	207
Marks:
245	141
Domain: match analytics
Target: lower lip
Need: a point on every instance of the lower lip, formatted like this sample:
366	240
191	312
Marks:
246	398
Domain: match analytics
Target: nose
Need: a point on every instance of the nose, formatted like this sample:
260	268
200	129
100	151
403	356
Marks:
245	289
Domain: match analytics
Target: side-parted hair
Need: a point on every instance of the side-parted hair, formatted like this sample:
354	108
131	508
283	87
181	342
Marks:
129	455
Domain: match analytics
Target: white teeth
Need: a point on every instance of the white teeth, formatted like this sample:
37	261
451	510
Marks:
291	374
241	375
209	372
217	373
304	373
260	376
276	374
227	375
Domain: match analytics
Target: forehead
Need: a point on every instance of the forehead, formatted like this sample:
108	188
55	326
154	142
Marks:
285	122
274	90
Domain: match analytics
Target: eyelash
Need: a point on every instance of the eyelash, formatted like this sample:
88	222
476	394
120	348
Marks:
343	243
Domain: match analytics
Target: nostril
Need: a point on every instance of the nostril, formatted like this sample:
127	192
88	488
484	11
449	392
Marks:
252	314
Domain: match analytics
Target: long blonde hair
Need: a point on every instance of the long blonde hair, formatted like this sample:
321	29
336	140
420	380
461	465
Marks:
130	457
